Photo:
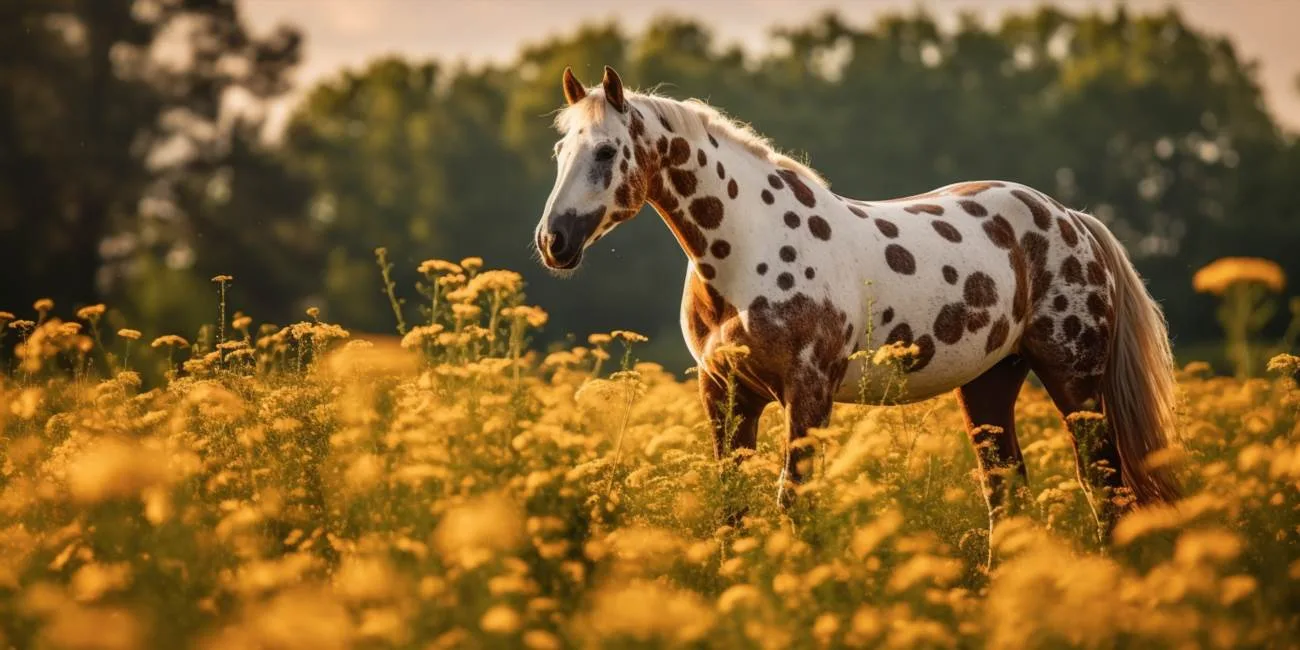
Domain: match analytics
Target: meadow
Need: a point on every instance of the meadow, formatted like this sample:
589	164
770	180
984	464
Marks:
295	488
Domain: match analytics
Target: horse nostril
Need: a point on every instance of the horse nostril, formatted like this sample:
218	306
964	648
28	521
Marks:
556	244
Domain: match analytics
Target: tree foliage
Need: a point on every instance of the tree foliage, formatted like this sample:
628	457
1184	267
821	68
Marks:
1157	127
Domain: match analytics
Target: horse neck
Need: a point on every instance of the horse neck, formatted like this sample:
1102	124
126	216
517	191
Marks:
707	190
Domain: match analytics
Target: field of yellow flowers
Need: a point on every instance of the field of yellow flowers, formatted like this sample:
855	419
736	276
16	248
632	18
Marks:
293	488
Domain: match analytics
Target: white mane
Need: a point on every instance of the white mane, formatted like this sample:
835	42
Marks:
693	118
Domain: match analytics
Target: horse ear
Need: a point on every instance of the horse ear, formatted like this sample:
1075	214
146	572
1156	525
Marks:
573	90
614	90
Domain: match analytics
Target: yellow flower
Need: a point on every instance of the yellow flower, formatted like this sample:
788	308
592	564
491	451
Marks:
169	340
129	334
541	640
431	267
628	336
222	279
500	619
1284	363
1217	276
897	352
497	281
313	312
421	335
43	305
91	312
472	264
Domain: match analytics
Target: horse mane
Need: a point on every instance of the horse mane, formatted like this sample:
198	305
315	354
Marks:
693	117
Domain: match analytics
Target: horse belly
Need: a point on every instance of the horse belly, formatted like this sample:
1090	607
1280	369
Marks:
866	383
958	306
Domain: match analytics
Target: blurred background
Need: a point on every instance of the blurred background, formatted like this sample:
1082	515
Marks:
149	145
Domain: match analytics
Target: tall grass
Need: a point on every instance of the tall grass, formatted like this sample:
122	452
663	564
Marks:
295	488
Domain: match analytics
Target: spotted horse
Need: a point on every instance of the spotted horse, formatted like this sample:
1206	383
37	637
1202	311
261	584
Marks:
982	281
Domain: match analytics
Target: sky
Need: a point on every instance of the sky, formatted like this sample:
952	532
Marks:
348	33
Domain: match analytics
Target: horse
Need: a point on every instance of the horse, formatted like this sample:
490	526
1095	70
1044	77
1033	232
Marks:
980	282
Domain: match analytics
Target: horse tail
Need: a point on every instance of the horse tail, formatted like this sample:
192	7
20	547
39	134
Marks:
1138	392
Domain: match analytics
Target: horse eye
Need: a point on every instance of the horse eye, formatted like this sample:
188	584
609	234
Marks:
606	152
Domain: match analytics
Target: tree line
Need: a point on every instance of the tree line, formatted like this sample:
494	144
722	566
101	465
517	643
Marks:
133	179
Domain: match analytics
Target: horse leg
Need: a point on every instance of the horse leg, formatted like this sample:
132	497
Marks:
989	404
733	413
807	405
1096	455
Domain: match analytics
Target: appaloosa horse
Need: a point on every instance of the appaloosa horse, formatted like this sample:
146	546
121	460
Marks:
987	279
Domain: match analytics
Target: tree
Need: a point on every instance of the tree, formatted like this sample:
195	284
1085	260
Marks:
118	119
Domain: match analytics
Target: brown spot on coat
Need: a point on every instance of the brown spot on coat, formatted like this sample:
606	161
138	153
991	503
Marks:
683	181
973	188
861	214
997	335
767	197
707	211
787	254
886	228
980	290
1072	271
973	208
1068	234
887	316
1061	303
900	259
722	173
1042	329
792	220
720	248
950	323
1000	232
688	234
927	208
819	228
1096	274
947	231
732	188
901	333
1035	246
762	268
713	141
678	152
707	270
623	195
1097	306
1042	215
701	158
1020	301
810	273
775	181
1072	326
949	274
976	320
785	281
801	191
925	352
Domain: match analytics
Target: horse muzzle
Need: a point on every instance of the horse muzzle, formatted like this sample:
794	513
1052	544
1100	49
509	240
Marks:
561	243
